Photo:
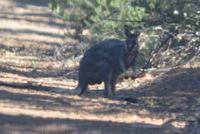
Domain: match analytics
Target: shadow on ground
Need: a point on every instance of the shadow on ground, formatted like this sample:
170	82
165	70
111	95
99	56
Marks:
177	91
63	126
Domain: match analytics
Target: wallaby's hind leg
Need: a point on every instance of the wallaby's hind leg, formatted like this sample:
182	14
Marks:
108	86
107	90
80	89
113	84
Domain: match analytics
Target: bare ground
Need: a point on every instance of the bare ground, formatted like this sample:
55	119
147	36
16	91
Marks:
30	35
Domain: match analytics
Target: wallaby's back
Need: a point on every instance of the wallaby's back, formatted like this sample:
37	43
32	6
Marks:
96	59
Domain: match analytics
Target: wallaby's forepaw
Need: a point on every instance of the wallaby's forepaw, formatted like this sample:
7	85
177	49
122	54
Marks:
126	76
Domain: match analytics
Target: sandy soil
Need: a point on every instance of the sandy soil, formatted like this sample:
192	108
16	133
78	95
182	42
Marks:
29	37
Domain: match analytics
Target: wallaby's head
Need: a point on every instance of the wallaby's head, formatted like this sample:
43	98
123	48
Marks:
131	38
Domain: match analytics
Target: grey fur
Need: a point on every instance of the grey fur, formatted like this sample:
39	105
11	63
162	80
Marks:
105	61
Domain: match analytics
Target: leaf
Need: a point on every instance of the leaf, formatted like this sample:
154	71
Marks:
116	3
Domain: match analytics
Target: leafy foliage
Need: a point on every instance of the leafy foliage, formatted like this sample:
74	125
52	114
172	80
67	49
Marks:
100	16
107	17
161	12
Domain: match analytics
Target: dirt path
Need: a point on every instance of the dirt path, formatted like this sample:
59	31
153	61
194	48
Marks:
29	36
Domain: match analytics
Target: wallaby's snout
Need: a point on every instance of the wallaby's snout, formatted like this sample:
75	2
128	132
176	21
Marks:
131	43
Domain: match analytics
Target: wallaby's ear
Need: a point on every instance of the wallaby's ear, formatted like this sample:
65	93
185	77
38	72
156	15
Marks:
127	30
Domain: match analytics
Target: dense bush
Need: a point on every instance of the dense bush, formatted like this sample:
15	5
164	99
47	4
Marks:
100	16
104	18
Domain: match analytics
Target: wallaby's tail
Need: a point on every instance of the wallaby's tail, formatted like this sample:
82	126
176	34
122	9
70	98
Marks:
77	91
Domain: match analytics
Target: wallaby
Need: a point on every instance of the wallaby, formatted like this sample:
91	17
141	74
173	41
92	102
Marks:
105	61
